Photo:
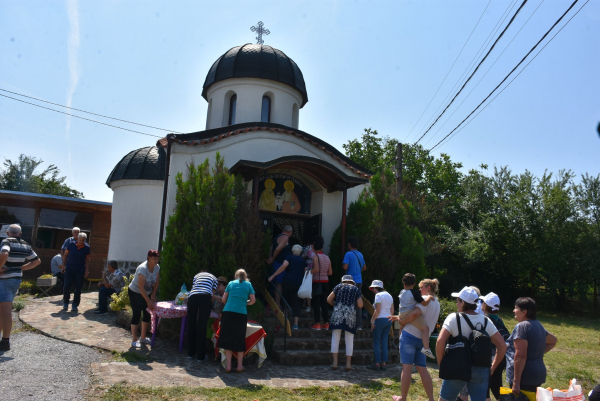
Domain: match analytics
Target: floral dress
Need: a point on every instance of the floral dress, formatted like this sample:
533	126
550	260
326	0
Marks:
344	311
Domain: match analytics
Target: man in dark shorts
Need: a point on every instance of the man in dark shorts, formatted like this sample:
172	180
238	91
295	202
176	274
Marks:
16	255
280	249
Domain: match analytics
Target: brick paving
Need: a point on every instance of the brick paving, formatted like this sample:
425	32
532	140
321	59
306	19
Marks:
168	367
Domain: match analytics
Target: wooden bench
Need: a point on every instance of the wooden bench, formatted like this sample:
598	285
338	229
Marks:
93	280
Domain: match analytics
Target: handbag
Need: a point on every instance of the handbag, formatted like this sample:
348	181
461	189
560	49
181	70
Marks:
456	364
305	291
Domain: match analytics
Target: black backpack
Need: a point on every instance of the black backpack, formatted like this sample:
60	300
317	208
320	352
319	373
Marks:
499	323
481	344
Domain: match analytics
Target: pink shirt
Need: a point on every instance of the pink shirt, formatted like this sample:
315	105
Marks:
324	262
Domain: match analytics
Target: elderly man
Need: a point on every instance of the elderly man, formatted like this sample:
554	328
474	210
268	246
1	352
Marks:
75	231
75	268
280	249
16	256
112	283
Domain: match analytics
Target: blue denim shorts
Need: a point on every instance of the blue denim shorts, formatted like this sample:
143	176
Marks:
279	277
9	288
410	350
480	378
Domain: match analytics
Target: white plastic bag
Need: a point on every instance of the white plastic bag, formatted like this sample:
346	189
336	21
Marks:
574	393
305	291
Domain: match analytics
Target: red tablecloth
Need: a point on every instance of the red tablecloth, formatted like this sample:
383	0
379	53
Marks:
255	341
166	309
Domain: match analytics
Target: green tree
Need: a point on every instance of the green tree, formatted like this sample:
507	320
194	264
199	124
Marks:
380	221
213	227
373	152
22	176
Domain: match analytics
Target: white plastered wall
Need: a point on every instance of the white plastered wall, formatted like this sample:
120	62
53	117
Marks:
249	93
135	219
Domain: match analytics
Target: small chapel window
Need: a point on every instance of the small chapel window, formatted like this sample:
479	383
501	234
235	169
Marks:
265	116
232	104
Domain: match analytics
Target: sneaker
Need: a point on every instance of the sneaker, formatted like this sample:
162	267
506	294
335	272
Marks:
190	356
428	352
316	326
373	367
4	346
203	360
307	309
145	340
100	313
295	327
383	368
359	329
136	344
325	326
74	309
65	306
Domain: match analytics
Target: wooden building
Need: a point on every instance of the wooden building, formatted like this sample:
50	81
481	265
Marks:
47	220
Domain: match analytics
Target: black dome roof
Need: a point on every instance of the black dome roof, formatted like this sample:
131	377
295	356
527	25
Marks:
256	61
142	164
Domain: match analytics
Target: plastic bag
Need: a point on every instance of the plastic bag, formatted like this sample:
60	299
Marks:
574	393
507	395
305	291
182	297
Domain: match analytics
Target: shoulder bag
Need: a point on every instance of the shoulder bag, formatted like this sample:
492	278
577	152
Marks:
456	364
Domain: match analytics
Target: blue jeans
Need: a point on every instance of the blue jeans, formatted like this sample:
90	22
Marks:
102	295
73	277
381	333
410	351
480	378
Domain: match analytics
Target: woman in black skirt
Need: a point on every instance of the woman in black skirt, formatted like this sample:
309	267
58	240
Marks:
238	294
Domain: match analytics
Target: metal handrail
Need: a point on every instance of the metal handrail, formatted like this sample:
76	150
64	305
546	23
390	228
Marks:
287	306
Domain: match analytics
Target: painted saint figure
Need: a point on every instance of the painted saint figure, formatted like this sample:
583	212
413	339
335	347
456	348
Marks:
267	197
291	203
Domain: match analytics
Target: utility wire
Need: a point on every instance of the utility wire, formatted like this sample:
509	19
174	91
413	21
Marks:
476	68
448	73
83	118
89	112
472	63
484	75
520	62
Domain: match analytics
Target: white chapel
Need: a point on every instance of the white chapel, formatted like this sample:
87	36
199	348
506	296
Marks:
254	94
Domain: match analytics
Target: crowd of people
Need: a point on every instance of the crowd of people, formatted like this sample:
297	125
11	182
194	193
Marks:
473	346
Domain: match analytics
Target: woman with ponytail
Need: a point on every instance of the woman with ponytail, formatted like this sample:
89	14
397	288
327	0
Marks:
238	294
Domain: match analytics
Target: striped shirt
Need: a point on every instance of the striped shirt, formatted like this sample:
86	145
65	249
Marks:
19	253
324	263
204	283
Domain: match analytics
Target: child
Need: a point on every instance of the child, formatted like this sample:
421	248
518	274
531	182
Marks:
409	298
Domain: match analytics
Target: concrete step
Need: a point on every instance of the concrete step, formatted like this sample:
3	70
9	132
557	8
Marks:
304	332
309	358
321	344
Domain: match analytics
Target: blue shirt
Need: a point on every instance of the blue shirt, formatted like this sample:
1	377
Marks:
294	273
76	257
534	372
238	296
68	241
355	261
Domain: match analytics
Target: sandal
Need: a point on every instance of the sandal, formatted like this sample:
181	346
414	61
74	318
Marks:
242	370
348	368
334	367
227	370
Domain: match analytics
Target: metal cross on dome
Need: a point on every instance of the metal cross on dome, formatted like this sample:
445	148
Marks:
260	30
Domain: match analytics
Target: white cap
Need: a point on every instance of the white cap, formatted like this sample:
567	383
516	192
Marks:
492	300
376	283
467	294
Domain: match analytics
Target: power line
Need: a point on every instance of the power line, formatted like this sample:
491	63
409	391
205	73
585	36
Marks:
89	112
484	75
476	68
83	118
489	38
448	73
517	66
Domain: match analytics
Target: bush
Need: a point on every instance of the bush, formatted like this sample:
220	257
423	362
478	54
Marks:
121	300
44	276
256	311
26	285
447	306
214	227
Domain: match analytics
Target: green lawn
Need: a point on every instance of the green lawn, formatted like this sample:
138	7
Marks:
576	356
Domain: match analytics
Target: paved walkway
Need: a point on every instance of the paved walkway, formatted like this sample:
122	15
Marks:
169	368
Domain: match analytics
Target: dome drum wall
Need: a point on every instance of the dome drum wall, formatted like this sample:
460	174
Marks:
249	91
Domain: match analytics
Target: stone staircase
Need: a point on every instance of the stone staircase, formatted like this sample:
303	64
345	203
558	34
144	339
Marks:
313	347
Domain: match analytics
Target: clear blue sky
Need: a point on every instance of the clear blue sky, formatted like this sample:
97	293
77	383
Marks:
366	64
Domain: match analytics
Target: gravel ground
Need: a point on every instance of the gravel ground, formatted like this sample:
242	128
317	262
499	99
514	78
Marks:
42	368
